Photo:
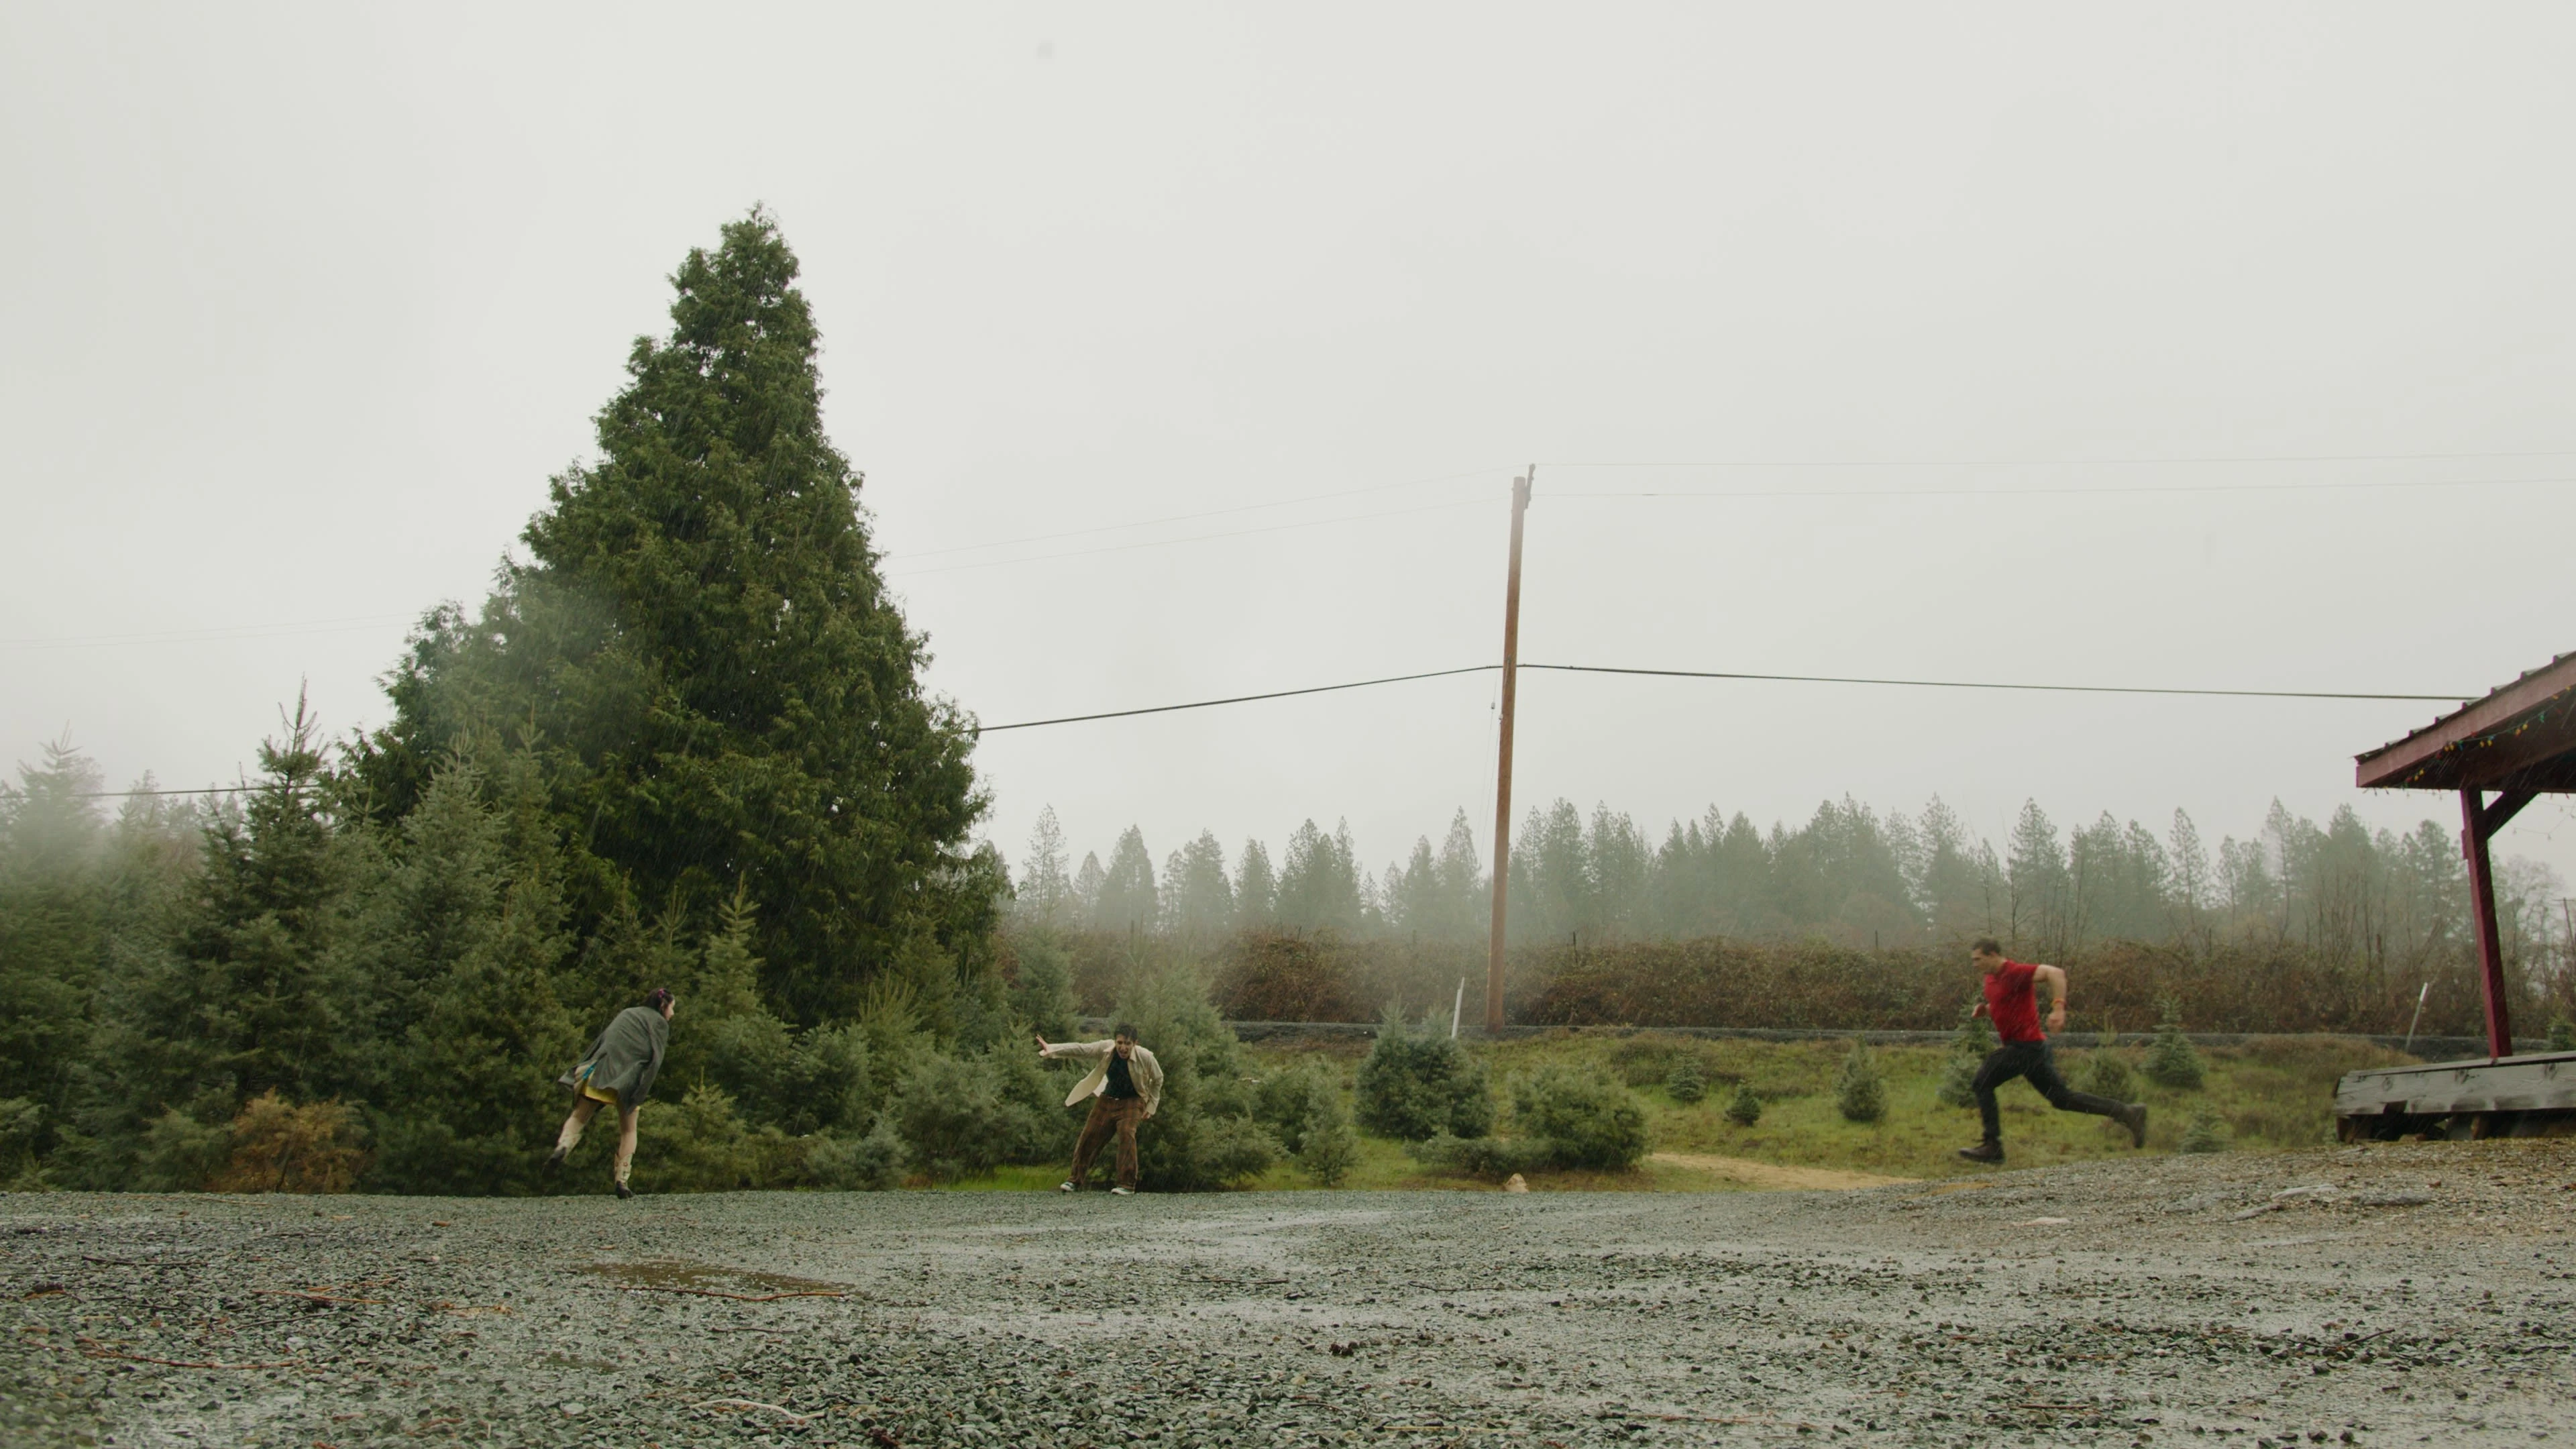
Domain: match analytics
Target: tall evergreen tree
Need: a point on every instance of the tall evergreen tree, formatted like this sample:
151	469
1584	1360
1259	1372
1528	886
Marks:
1412	891
1465	902
1198	900
1046	890
2036	871
256	994
54	917
466	935
1087	885
1256	889
2187	902
1127	900
1949	889
1319	882
1551	875
700	652
1616	852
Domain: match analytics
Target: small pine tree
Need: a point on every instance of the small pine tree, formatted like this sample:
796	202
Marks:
1975	1035
2206	1133
1859	1094
1958	1082
1416	1084
1331	1148
2106	1072
1969	1044
2171	1062
2562	1035
1746	1108
1685	1083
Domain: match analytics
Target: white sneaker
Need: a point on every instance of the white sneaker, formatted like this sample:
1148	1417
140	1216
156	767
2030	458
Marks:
1122	1192
1064	1187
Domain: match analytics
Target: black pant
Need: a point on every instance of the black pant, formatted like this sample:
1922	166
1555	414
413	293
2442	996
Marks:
2031	1059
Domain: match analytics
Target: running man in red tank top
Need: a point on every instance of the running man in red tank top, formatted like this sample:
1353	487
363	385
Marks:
2012	999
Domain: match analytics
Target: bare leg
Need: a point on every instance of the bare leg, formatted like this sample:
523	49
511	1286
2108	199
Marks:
625	1140
570	1137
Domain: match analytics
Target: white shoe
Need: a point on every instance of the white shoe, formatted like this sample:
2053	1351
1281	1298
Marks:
1064	1187
1122	1192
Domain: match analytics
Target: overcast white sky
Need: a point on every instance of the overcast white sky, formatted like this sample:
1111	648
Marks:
307	304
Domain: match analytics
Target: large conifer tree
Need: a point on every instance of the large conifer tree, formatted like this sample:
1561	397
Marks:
700	651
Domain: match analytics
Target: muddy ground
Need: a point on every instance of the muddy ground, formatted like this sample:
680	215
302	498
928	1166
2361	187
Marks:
2396	1295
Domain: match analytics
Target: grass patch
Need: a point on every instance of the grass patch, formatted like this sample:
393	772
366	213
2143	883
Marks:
2274	1093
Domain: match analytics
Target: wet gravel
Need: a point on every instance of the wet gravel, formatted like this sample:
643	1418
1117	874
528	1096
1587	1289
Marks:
2395	1295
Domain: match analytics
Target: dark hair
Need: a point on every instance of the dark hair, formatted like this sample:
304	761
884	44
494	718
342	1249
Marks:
1126	1029
659	997
1987	946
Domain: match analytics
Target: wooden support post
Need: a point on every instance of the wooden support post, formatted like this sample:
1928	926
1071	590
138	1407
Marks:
1503	764
2476	824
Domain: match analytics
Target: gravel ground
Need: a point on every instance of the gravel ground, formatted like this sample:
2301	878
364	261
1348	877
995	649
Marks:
2391	1295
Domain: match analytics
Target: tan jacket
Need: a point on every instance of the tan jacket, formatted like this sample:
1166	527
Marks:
1141	1065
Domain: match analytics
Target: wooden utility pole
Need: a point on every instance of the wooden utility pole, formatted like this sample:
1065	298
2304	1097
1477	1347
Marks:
1503	767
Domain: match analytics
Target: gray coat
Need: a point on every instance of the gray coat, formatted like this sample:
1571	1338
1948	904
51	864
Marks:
626	1057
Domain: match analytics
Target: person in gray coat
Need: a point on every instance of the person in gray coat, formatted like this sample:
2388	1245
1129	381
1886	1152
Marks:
618	1069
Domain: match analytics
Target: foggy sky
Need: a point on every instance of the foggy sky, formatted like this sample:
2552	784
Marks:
307	304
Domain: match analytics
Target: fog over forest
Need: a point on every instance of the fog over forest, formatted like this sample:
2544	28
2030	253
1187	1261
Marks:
1848	874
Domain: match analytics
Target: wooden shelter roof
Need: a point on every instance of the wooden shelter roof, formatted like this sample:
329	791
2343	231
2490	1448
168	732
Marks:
2521	737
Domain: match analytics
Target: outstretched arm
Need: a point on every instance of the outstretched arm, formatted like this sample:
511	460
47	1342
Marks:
2055	980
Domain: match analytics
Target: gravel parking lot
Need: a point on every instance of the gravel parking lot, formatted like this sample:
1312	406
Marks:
2391	1295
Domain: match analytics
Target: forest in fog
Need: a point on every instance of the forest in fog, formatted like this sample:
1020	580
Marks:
1848	875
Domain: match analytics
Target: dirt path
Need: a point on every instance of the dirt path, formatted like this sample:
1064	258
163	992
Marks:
2416	1294
1773	1177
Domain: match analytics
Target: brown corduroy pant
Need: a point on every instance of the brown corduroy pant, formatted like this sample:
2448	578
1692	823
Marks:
1109	1114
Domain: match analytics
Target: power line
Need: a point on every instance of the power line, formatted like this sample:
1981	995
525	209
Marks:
2096	462
1769	678
1030	724
2116	488
209	790
1988	684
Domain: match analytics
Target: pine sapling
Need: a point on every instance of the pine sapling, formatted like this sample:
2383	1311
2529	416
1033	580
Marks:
1745	1108
1975	1035
2171	1062
1958	1082
1968	1047
2106	1072
2206	1133
1859	1094
1685	1083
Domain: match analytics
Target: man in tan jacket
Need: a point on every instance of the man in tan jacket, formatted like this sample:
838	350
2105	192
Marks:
1125	1088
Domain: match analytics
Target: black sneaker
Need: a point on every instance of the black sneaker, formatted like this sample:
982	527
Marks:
1988	1151
554	1159
624	1191
2135	1119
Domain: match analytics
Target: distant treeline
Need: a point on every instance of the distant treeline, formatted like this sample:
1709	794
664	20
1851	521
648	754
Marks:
2340	894
2235	986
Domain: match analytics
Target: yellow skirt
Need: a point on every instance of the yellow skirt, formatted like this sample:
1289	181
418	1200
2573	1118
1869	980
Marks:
597	1093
